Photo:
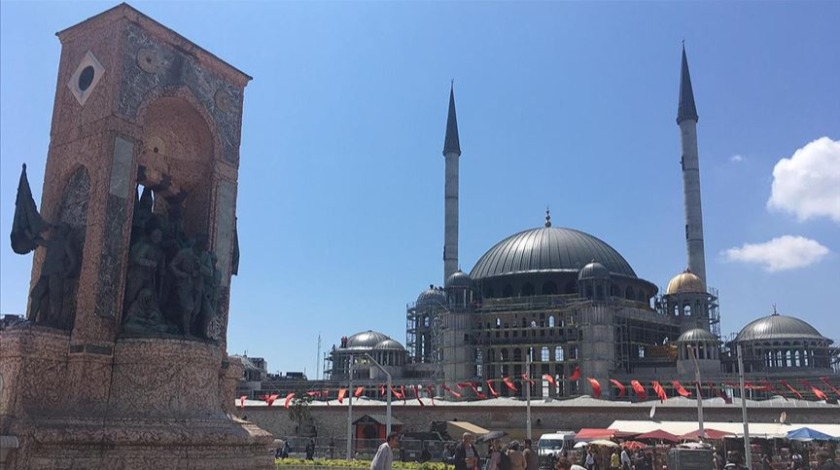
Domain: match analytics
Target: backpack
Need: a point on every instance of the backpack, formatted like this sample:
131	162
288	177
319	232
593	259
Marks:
504	461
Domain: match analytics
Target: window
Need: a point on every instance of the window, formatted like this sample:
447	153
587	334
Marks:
544	356
558	354
551	321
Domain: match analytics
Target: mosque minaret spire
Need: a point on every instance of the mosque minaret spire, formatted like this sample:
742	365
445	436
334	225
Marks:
687	120
451	152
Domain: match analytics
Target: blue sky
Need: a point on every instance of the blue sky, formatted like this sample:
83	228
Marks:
570	105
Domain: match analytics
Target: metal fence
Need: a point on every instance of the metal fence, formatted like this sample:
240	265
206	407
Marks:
409	450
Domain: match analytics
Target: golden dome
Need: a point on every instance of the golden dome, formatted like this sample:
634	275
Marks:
684	283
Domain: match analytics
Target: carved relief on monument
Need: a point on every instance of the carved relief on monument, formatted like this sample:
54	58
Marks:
73	211
152	65
173	278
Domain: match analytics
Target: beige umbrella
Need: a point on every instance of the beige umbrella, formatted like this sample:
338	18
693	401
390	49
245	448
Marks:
603	442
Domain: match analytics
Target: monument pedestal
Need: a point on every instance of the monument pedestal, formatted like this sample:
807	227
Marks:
162	406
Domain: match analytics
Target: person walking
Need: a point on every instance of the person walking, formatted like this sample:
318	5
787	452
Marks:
826	461
615	462
626	464
466	456
532	461
494	457
517	460
384	457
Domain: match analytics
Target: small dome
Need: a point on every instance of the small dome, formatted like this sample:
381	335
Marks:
365	340
390	344
594	270
431	297
697	335
778	327
459	279
685	282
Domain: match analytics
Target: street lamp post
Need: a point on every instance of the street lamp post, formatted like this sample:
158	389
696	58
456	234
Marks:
693	354
528	360
388	393
350	412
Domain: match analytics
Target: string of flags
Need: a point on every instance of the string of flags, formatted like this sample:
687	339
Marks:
803	389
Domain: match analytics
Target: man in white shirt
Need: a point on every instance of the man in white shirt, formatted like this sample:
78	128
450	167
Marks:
384	455
626	464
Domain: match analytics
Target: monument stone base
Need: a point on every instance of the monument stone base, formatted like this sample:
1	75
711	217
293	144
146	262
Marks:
138	403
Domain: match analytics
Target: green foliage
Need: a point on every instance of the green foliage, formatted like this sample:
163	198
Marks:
342	463
299	409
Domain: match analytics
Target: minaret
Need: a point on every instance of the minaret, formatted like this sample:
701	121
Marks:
451	151
687	120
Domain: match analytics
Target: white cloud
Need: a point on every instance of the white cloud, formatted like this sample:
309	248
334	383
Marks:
736	158
808	183
779	254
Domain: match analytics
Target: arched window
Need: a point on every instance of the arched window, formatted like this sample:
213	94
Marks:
491	355
551	321
615	291
527	289
503	355
687	310
544	356
629	293
599	293
571	287
517	355
559	354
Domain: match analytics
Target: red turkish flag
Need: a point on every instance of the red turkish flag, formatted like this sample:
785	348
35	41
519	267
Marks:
491	389
509	383
417	395
832	387
525	377
596	387
270	398
680	389
242	401
462	385
819	393
451	392
790	387
639	389
396	393
288	400
622	390
431	393
548	378
359	392
341	393
576	374
660	392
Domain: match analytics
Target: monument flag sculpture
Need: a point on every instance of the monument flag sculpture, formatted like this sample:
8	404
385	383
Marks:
123	360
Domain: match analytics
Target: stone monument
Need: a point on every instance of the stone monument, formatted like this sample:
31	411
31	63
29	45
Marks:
122	363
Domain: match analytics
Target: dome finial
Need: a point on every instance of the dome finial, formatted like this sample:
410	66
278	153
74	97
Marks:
547	216
774	310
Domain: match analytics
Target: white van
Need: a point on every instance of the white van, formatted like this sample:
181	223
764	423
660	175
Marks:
555	443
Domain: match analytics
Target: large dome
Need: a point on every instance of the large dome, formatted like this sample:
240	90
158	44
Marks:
366	340
548	249
778	327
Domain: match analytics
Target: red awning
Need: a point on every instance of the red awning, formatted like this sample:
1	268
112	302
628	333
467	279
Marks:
710	434
659	435
595	433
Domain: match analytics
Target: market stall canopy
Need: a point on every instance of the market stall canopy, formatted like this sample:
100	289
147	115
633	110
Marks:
588	434
808	434
709	432
659	435
758	430
457	428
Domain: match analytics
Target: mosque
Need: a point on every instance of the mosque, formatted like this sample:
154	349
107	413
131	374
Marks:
556	312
